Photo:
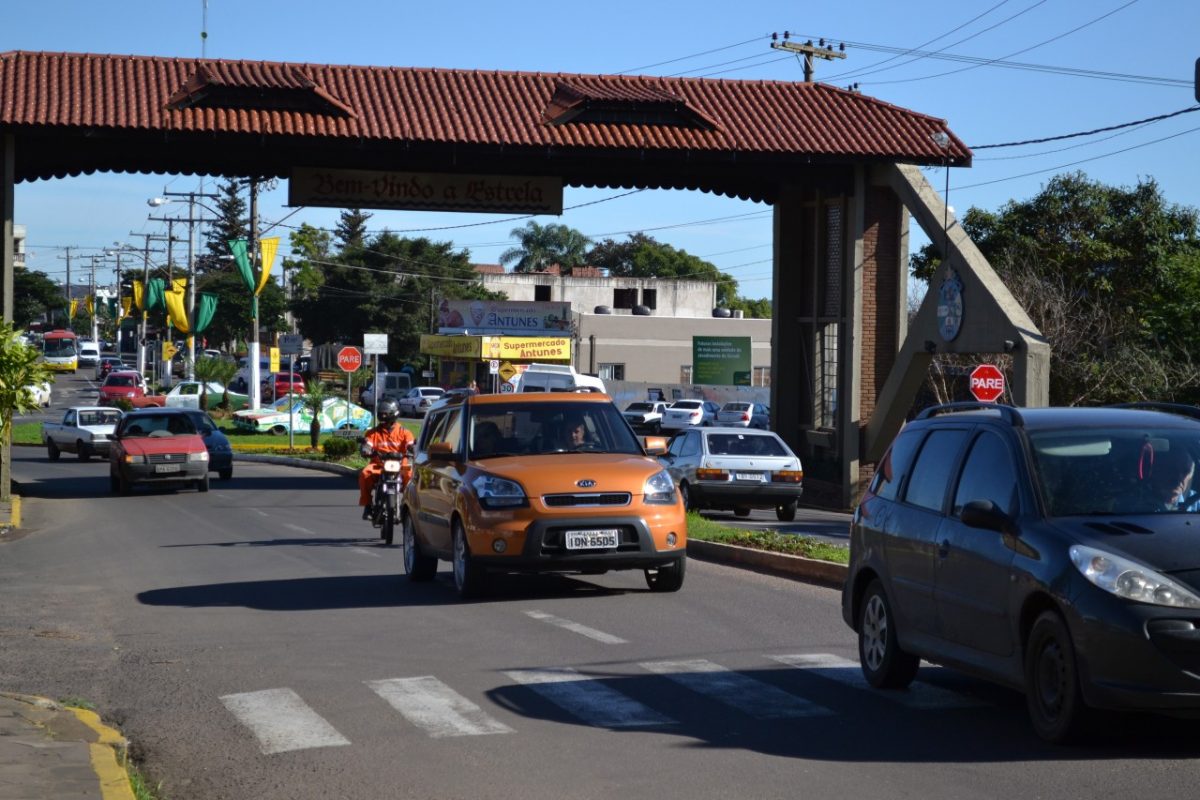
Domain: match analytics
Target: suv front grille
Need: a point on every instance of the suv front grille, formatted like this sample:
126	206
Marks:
587	499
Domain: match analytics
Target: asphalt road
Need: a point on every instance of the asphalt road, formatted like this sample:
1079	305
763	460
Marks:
257	641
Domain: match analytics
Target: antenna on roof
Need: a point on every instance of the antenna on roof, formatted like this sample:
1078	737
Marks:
203	27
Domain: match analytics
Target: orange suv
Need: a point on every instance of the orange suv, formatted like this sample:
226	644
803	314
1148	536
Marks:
539	483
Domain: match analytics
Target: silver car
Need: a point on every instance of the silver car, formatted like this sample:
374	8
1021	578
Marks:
744	415
735	468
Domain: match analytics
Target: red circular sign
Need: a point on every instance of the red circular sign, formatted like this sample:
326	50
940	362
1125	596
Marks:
987	383
349	359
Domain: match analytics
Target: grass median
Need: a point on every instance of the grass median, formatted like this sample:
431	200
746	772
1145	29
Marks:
706	530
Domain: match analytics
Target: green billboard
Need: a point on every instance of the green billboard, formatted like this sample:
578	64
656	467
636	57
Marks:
721	360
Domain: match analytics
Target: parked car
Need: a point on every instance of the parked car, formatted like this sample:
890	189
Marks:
241	378
186	394
220	451
121	385
278	384
157	446
106	365
742	414
645	416
539	482
688	413
40	393
1048	549
288	413
394	386
735	468
417	400
85	431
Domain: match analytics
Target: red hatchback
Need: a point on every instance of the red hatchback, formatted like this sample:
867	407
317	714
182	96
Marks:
279	384
157	445
120	385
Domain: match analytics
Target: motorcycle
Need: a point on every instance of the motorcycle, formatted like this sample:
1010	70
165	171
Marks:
385	497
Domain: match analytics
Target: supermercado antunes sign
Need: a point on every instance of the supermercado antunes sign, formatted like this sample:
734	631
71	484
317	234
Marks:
424	191
517	348
721	360
503	316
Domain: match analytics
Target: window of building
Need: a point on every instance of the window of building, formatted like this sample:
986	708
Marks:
650	298
625	298
685	373
541	293
612	372
761	376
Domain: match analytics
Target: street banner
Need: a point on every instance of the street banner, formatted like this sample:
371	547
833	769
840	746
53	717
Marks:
177	311
267	249
139	295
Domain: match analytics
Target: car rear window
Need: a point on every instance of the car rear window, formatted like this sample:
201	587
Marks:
736	407
640	407
688	404
120	380
99	417
738	444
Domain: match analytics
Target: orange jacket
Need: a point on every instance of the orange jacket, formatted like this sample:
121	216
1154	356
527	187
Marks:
394	438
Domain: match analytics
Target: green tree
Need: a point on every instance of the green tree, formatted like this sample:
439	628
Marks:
311	249
19	369
386	286
351	230
215	370
233	222
34	297
543	245
1110	276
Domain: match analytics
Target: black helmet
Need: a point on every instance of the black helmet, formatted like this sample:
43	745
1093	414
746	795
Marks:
388	411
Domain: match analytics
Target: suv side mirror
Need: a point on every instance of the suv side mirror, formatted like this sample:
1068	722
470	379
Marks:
441	451
984	514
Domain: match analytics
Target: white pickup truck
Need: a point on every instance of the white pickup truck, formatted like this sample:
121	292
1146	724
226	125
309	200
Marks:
85	431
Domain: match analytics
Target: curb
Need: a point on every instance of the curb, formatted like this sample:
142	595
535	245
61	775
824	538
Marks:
810	570
303	463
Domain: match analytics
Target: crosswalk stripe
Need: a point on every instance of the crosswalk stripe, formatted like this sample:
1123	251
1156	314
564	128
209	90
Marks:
282	721
759	700
436	708
588	699
919	695
575	627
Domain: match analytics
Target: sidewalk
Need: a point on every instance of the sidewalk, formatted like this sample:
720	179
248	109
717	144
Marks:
49	751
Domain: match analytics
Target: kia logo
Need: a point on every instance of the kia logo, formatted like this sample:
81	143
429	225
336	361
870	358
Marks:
585	483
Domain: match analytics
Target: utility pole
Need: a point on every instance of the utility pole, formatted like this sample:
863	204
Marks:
166	379
255	376
146	251
67	257
95	321
809	50
191	220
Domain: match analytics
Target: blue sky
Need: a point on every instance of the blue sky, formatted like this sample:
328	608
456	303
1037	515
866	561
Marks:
983	104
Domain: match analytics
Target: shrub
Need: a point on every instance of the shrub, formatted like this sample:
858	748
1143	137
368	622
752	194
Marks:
121	403
339	448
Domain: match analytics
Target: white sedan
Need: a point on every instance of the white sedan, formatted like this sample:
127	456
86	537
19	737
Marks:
41	393
417	400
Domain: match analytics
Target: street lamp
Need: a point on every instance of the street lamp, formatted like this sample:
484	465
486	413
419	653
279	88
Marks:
157	202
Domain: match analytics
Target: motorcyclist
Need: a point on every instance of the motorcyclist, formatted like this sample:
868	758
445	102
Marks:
389	436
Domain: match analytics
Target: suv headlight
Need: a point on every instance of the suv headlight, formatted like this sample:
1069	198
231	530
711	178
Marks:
660	489
1130	580
496	493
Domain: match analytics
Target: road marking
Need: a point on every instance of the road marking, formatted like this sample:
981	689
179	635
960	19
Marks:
756	698
436	708
575	627
919	695
588	699
282	721
260	512
292	527
364	552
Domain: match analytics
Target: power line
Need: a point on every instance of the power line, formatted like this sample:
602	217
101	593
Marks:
695	55
1158	118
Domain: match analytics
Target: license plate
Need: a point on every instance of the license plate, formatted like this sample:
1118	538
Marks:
592	540
757	477
167	467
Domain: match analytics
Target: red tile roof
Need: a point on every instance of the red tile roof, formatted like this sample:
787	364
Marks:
796	122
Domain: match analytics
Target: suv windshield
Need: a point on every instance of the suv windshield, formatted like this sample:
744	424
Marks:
1116	471
541	428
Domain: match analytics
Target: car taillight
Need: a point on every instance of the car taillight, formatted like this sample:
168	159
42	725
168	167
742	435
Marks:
705	474
697	414
745	417
788	476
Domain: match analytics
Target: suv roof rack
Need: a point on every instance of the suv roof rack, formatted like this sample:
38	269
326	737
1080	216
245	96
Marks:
1009	413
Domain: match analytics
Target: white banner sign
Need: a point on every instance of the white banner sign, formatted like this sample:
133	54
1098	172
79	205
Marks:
375	344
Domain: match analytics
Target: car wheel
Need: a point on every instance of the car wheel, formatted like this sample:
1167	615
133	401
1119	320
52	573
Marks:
225	474
741	512
1052	690
884	664
123	484
786	512
82	452
669	578
685	493
202	484
469	577
418	566
278	430
52	451
114	482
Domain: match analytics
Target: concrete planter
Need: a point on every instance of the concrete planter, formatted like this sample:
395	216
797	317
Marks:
824	573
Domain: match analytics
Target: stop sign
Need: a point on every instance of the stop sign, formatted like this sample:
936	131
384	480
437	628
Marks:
987	383
349	359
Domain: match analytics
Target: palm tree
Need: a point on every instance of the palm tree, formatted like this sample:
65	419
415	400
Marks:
313	401
215	370
543	245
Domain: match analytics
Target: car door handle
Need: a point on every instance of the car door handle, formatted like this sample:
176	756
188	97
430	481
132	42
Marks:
944	548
